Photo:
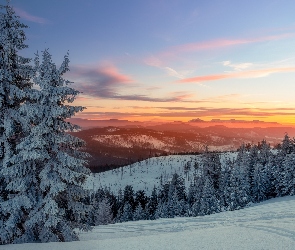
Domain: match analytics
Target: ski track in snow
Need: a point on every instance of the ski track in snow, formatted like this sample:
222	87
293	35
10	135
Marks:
267	225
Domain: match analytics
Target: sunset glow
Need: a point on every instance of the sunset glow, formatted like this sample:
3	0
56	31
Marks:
172	60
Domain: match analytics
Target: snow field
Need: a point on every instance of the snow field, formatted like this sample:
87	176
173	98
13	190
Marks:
267	225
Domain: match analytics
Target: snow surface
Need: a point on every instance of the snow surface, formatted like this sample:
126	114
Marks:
146	174
268	225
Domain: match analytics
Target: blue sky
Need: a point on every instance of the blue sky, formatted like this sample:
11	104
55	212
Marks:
171	60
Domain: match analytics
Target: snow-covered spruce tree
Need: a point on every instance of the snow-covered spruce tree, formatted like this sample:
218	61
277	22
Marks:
287	145
191	194
15	75
287	148
239	189
208	202
162	210
47	170
264	155
129	196
267	159
139	213
152	204
225	185
261	183
172	204
177	183
253	158
140	198
127	214
195	193
211	167
176	197
104	214
288	175
119	206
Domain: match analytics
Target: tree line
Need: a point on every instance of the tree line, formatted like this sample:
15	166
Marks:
257	173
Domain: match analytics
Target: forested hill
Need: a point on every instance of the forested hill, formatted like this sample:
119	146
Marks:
192	185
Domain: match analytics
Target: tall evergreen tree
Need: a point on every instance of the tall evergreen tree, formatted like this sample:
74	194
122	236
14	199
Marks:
119	206
212	167
47	169
177	184
127	214
162	210
278	171
287	180
266	158
191	194
15	83
140	199
208	201
152	204
287	146
239	188
15	76
139	213
104	214
261	182
264	155
225	185
195	194
129	196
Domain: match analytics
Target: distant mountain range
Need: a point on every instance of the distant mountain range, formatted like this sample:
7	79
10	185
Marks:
86	124
114	146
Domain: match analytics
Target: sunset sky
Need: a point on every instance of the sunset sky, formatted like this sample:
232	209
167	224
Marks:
171	60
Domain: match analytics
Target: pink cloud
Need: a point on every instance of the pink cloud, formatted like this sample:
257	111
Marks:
113	72
220	43
244	74
181	96
25	15
157	59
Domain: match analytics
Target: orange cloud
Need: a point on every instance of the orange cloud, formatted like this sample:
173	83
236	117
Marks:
243	74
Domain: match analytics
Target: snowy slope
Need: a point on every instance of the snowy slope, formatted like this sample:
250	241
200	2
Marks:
146	174
268	225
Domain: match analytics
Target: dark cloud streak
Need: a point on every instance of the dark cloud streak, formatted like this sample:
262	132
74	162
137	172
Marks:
106	82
